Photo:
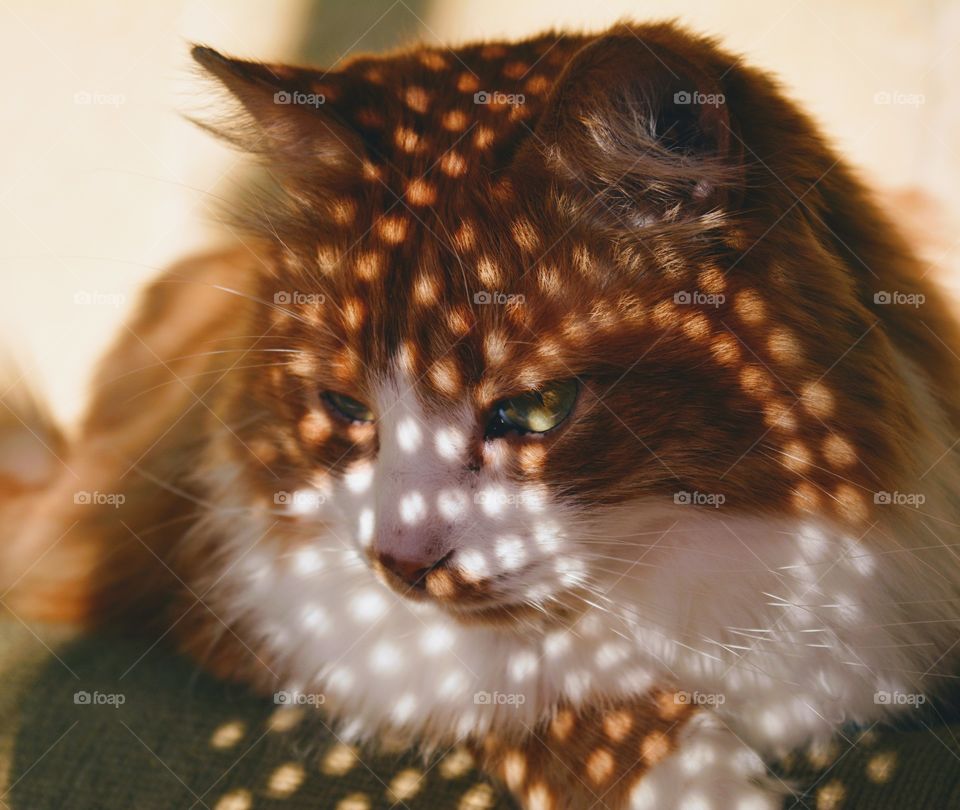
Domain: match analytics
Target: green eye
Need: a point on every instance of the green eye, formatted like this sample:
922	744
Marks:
534	411
348	407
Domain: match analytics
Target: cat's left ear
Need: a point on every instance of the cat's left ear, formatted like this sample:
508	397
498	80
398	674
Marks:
637	129
284	118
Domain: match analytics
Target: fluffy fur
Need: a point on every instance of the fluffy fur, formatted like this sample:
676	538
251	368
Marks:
697	570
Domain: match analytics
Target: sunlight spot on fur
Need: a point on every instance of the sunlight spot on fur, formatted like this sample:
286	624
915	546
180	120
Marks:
368	605
307	561
523	665
355	801
617	724
831	796
599	766
456	764
510	552
479	797
392	229
404	708
488	271
453	504
838	451
454	685
750	307
436	639
525	234
880	767
228	735
483	137
339	760
695	800
413	509
725	349
473	565
817	400
366	524
454	121
286	780
557	644
420	192
697	756
235	800
359	478
514	769
577	683
445	376
316	619
405	785
612	653
368	265
409	435
655	746
453	164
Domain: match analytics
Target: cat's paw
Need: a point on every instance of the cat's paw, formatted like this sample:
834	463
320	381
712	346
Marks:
711	769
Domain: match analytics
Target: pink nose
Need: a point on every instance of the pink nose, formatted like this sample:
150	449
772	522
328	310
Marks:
412	572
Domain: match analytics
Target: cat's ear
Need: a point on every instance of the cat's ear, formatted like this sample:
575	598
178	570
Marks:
641	130
283	118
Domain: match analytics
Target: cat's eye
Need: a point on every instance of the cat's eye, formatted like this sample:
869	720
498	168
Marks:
534	411
348	407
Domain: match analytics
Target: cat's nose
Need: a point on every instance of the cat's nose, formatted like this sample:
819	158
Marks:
411	571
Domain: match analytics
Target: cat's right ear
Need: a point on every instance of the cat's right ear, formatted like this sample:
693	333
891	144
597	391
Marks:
282	118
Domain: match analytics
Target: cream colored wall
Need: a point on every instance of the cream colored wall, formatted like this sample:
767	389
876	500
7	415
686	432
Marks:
95	196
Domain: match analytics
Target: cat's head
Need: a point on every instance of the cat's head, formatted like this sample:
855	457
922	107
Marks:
533	303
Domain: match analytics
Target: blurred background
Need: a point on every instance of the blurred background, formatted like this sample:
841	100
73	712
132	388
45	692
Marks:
102	182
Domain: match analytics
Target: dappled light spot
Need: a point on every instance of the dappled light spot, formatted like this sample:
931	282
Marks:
669	706
441	584
458	320
478	797
838	451
432	60
468	83
235	800
465	237
453	164
880	767
817	400
445	376
284	719
354	311
851	503
664	315
355	801
456	763
537	84
371	171
524	234
562	725
696	327
514	768
426	290
784	347
367	265
408	140
339	759
617	724
392	229
599	766
831	796
286	780
454	120
228	735
420	192
515	69
417	99
778	414
654	747
405	785
750	307
540	797
488	271
344	211
328	259
712	281
483	137
796	456
755	381
725	349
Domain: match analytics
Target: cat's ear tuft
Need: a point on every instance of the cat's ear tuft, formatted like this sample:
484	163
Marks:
279	114
639	130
